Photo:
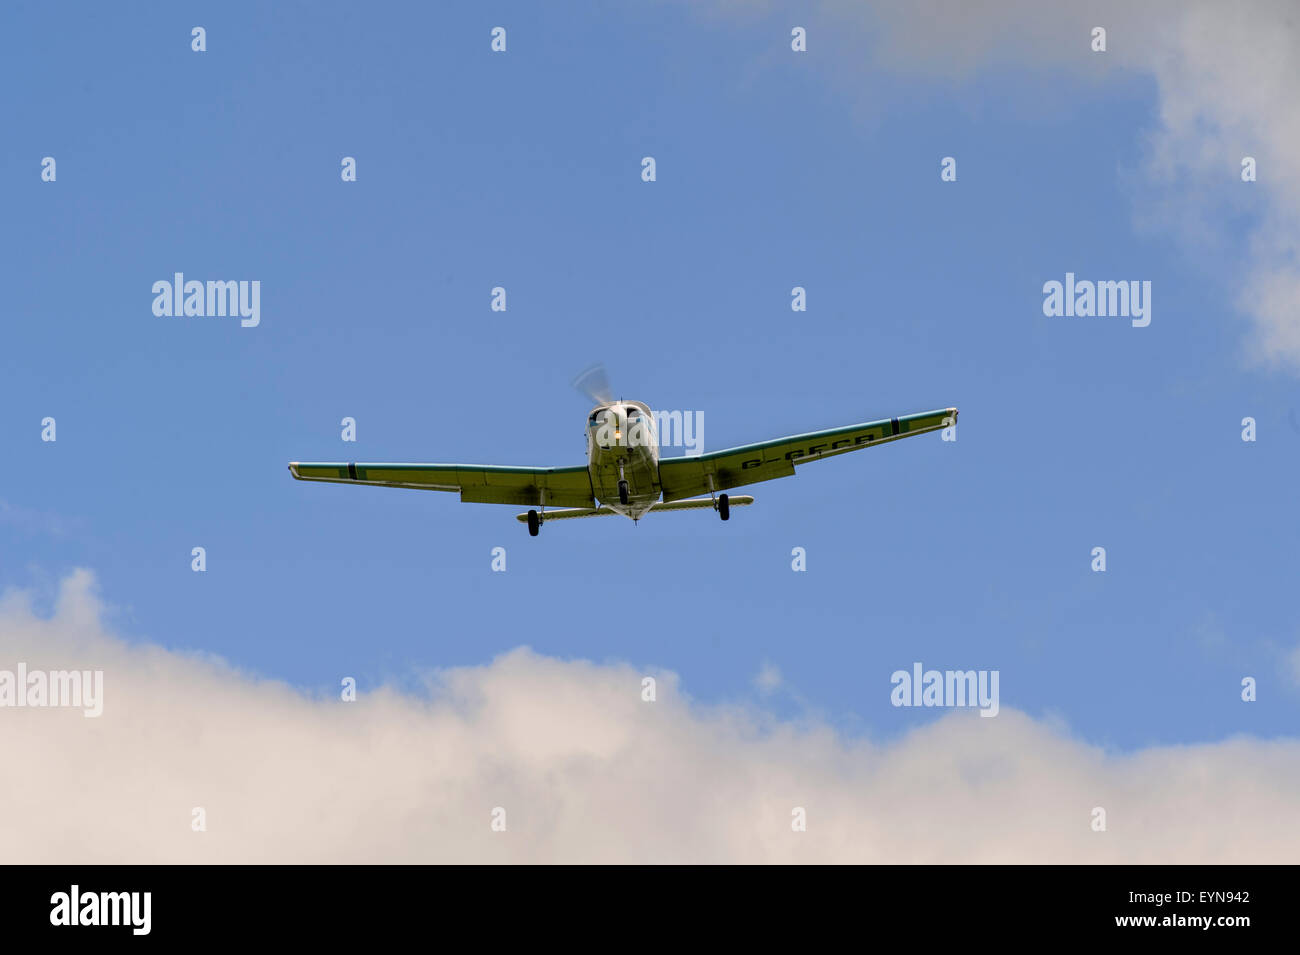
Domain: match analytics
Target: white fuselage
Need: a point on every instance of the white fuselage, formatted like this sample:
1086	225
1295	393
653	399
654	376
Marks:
622	442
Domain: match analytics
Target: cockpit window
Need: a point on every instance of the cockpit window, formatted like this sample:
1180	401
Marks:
633	414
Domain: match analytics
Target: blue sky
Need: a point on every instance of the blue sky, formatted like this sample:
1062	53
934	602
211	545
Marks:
523	170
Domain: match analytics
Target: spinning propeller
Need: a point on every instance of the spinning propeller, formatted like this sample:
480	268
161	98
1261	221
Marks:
594	383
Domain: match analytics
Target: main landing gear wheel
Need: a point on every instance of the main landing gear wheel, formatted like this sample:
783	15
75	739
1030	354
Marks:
534	524
724	507
622	493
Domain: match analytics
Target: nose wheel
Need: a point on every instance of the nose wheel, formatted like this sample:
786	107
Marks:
622	485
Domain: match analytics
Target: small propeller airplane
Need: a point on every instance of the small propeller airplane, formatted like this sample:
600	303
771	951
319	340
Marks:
624	473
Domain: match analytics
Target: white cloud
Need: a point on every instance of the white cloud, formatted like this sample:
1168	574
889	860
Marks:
768	677
1226	76
584	768
1292	665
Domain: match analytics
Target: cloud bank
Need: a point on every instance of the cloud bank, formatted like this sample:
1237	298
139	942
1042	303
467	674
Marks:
585	770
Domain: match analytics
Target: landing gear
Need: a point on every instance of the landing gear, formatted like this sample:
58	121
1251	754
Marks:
534	524
720	501
622	485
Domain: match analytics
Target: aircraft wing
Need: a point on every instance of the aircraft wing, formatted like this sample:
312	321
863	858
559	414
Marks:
736	467
478	483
